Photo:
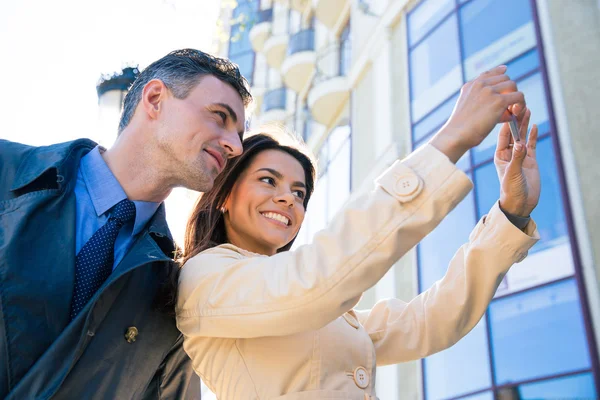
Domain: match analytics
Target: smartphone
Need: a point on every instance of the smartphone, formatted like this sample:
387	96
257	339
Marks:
514	127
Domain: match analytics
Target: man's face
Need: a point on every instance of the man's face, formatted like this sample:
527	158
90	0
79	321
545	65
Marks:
199	133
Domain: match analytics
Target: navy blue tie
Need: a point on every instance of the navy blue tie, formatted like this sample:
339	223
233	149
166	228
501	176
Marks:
95	260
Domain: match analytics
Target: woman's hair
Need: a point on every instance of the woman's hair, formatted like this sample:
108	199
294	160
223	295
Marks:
206	225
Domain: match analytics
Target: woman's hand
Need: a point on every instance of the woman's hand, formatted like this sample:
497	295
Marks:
518	169
483	103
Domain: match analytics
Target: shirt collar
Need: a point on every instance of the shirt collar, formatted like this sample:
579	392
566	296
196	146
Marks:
106	191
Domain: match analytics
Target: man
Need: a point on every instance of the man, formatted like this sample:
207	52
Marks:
86	270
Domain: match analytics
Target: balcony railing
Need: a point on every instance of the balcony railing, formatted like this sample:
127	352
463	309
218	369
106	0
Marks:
265	15
334	60
301	41
274	99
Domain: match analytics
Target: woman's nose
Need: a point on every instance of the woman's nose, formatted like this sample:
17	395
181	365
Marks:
286	198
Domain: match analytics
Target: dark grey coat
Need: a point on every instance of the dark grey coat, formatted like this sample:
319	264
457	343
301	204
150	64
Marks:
44	356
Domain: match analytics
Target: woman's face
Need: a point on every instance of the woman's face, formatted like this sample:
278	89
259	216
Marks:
265	209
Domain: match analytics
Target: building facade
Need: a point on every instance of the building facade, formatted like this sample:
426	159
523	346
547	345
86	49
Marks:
365	82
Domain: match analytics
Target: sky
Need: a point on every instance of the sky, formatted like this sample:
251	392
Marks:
52	54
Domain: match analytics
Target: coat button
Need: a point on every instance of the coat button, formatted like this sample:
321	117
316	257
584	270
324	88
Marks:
407	185
361	377
131	334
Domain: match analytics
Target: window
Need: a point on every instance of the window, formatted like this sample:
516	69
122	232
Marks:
435	120
438	248
538	333
425	16
435	68
333	185
240	48
570	387
494	32
345	50
463	368
534	325
549	214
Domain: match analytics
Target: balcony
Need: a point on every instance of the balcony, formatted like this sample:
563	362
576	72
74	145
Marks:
261	30
297	69
275	48
329	12
298	5
331	89
274	106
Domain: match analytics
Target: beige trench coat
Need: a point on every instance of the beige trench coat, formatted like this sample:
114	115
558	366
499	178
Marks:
283	327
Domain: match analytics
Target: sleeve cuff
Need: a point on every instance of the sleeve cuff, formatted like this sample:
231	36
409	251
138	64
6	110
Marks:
519	222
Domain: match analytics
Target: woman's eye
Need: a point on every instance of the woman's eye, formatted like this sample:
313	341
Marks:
268	180
299	193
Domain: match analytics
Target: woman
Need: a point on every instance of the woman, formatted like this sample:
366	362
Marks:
263	322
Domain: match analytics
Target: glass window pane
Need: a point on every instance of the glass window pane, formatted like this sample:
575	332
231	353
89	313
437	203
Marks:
245	8
240	40
494	32
549	214
538	333
442	377
435	69
570	387
337	139
435	119
425	16
339	180
487	188
524	64
246	64
316	215
437	249
551	257
535	95
480	396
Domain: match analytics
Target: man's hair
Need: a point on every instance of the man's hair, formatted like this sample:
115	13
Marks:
180	71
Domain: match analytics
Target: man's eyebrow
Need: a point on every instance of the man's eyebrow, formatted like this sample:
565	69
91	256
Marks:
278	175
234	117
232	113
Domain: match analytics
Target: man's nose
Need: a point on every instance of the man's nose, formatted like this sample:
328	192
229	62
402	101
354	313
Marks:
232	144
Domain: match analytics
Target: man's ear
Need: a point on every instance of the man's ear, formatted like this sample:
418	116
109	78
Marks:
154	93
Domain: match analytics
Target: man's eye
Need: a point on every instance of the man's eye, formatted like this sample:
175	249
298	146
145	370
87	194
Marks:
268	180
222	115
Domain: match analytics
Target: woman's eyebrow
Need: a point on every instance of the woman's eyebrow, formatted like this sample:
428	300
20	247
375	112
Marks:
278	175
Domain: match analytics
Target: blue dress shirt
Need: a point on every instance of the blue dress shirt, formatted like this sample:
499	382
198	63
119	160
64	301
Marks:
96	192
